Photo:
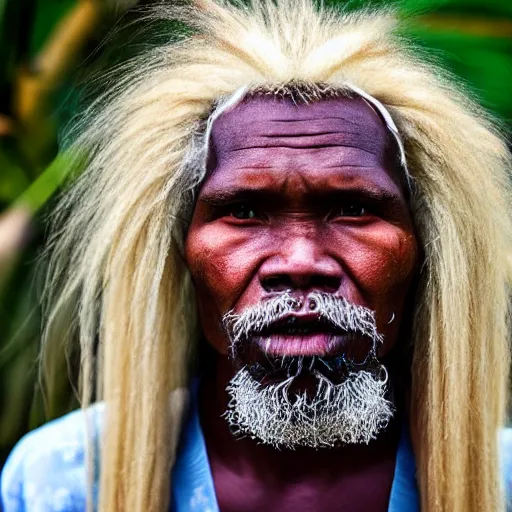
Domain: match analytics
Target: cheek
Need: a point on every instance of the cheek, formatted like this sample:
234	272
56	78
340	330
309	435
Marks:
382	264
220	263
385	262
221	266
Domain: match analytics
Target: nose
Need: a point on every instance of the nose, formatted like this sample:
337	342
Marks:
301	263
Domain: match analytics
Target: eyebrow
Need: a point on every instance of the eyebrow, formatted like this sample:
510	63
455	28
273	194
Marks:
221	196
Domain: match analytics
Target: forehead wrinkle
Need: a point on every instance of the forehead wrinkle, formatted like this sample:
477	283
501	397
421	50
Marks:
249	128
311	144
355	111
306	136
310	159
316	118
328	134
259	123
301	125
299	129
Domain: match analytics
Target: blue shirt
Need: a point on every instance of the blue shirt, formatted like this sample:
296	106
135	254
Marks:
46	470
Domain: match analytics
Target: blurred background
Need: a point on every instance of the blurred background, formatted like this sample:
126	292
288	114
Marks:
50	53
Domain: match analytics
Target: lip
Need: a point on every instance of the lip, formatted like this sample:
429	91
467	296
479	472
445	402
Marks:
314	344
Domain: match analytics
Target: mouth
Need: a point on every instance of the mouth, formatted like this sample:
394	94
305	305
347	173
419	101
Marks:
310	335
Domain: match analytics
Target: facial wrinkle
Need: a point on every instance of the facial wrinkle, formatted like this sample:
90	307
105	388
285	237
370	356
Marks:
312	159
336	134
300	144
307	141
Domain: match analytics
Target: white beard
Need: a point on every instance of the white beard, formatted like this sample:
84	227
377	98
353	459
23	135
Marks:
354	411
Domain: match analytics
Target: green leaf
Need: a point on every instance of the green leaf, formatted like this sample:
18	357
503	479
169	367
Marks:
47	183
13	180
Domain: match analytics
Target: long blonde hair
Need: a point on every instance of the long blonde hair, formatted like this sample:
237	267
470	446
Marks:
117	277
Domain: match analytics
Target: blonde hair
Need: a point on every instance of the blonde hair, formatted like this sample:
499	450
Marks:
118	276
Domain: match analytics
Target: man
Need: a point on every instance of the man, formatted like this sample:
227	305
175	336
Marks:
328	219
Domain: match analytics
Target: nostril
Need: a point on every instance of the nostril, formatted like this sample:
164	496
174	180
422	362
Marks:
283	282
325	283
277	283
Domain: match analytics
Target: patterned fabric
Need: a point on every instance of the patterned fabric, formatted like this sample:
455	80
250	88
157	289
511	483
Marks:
45	471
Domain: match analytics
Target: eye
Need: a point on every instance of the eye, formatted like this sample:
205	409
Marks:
243	212
351	210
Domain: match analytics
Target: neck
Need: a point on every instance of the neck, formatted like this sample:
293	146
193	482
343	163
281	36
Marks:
266	465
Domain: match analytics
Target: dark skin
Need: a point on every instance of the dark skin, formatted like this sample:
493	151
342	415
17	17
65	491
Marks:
299	198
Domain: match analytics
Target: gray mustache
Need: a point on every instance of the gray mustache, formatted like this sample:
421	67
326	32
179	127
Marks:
330	308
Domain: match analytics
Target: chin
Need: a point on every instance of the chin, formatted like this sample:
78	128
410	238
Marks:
308	409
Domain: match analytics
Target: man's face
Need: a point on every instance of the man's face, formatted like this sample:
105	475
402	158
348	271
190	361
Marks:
301	198
302	249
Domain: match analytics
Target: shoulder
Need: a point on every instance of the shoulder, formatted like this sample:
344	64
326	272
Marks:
506	463
46	469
